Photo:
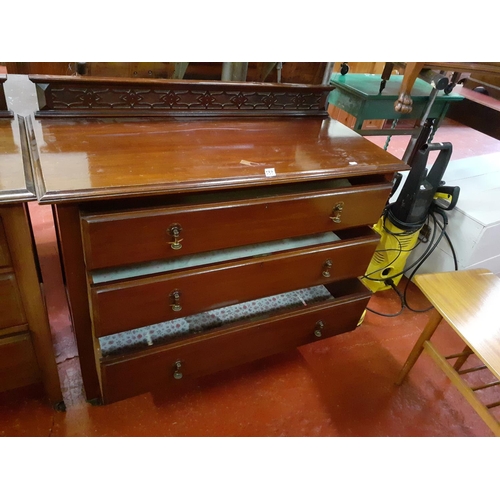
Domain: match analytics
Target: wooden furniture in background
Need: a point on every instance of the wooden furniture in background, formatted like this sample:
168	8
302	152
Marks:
184	203
344	117
356	101
290	72
49	68
478	111
490	82
26	351
468	301
404	102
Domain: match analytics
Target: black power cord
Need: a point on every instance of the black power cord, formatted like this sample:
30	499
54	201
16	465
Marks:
401	298
419	262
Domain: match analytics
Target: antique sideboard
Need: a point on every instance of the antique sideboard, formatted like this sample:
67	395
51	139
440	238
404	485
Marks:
26	351
202	224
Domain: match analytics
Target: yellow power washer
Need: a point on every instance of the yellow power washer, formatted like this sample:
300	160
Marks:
401	222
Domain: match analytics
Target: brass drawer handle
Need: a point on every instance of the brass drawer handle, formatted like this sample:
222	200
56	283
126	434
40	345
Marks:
318	329
326	268
177	370
175	298
337	212
175	232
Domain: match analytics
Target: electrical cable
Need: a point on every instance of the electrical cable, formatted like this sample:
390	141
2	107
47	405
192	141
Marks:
388	280
419	262
431	249
455	260
401	298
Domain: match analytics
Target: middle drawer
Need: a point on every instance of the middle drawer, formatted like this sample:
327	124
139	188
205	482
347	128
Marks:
133	303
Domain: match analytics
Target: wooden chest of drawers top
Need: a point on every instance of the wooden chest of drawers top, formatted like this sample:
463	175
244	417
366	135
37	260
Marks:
90	159
16	182
96	139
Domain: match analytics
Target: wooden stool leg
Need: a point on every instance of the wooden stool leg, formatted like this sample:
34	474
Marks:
429	329
462	359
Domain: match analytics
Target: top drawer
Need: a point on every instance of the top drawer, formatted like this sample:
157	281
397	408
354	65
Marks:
140	235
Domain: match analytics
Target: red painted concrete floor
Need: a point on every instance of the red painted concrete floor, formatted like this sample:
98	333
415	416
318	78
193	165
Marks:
343	386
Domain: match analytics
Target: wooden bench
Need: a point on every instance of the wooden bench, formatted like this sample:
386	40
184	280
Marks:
478	111
469	301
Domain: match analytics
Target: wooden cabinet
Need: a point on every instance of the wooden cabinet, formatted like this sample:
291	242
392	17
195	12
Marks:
226	226
26	353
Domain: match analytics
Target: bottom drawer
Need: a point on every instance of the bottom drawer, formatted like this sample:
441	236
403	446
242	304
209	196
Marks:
240	342
18	365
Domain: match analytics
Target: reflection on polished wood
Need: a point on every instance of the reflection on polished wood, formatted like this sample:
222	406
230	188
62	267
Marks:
16	181
97	158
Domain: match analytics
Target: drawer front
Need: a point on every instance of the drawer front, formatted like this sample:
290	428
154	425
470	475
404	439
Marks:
126	376
18	366
155	234
127	305
4	249
11	307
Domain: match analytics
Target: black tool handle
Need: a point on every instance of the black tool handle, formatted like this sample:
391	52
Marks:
438	168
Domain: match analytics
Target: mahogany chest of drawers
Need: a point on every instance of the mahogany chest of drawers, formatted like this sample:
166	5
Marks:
203	225
26	351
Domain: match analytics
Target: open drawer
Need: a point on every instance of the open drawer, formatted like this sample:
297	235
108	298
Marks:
133	235
335	309
123	304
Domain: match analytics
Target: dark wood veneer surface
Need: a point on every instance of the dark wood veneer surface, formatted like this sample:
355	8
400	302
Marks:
89	159
15	170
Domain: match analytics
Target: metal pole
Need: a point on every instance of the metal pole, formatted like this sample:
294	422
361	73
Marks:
328	73
279	66
438	82
226	71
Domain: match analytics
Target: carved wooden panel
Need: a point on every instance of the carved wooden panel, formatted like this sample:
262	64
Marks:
84	96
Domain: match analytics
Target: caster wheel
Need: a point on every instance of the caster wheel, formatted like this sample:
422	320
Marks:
449	88
344	69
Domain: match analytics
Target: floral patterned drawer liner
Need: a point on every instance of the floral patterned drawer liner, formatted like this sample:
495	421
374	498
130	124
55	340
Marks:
131	340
